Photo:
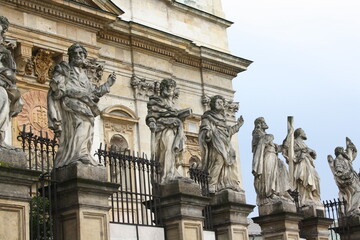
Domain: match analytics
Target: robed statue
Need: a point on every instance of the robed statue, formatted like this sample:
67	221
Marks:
10	97
167	133
304	177
271	177
72	108
217	154
346	178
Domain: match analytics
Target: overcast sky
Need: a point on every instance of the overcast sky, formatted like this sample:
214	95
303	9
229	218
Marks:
306	64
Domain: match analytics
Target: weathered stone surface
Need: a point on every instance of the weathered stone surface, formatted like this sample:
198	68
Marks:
14	201
315	228
283	225
13	157
181	210
83	202
276	208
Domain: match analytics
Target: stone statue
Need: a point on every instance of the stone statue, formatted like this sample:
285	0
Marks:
271	177
72	107
10	97
218	156
346	178
167	134
306	179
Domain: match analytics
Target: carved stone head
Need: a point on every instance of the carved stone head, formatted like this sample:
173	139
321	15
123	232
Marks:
300	133
167	88
260	123
77	54
217	103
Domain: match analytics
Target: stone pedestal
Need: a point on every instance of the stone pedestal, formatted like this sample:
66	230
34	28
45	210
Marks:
279	221
315	228
15	199
350	228
82	202
181	210
229	213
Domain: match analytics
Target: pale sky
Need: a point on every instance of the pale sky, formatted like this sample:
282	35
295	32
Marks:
306	64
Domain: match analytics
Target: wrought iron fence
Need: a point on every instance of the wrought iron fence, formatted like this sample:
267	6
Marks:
336	210
202	178
40	152
138	200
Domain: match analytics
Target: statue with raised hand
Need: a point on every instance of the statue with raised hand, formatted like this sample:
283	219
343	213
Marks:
167	133
346	178
72	108
271	177
218	155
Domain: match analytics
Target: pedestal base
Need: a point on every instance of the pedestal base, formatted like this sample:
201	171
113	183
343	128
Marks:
82	202
279	221
15	202
181	210
229	212
315	228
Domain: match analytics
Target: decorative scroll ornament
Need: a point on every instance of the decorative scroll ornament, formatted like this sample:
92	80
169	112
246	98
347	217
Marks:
144	88
43	63
94	70
230	106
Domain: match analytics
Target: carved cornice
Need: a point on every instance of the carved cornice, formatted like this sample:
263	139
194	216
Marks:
199	13
66	11
175	48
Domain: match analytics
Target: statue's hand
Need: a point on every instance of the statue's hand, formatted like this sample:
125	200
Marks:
111	79
240	120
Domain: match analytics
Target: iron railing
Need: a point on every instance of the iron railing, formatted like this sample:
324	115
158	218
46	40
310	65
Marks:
202	178
336	210
40	152
137	200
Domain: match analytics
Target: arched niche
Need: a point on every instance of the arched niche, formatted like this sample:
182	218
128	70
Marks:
119	126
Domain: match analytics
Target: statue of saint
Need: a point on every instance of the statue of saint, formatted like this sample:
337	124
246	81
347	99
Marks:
271	177
306	179
167	133
346	178
218	156
72	107
10	97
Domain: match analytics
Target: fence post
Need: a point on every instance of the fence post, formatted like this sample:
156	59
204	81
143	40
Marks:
15	183
83	202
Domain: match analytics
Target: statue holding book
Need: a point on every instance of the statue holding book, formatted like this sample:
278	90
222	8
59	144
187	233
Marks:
167	134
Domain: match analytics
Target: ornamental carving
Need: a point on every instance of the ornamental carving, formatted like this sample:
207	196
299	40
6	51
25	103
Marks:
94	70
34	113
231	107
144	88
43	64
